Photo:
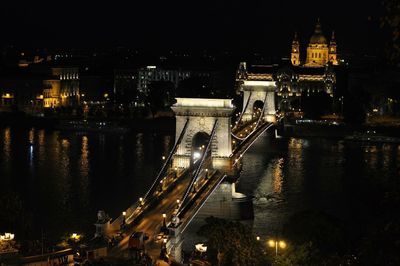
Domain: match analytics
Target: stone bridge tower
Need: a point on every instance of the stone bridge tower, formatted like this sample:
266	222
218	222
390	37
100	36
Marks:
262	91
202	114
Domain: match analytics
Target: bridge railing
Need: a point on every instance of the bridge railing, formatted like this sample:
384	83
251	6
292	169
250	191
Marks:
167	162
257	124
258	132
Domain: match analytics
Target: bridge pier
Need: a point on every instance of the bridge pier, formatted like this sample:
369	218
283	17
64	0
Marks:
226	203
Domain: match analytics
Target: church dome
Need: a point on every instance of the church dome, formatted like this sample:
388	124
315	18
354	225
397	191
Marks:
318	37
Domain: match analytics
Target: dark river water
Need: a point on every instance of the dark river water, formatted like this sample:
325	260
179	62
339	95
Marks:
55	182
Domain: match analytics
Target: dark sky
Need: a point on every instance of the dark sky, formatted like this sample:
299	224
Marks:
251	25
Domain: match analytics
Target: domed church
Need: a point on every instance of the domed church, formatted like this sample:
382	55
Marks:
319	53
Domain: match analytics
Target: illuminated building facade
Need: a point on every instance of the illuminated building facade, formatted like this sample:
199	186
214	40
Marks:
51	93
316	76
62	89
69	85
295	56
319	52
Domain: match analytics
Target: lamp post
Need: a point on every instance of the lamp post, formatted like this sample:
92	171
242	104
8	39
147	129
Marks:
141	201
164	228
164	220
123	219
75	239
75	236
275	243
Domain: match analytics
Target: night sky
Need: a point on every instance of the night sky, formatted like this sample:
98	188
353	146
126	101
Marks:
265	26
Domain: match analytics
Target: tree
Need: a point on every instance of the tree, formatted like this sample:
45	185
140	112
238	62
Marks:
231	243
304	254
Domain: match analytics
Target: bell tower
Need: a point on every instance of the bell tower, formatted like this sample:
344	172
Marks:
295	57
333	50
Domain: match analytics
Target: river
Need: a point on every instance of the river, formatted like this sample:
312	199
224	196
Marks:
53	183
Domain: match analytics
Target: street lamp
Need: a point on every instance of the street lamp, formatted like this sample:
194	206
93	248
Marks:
275	243
164	220
75	237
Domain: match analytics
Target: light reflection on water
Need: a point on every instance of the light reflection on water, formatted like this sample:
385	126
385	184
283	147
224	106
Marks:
287	176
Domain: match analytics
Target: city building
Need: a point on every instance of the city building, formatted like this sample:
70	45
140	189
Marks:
148	74
62	88
125	87
51	93
21	90
297	78
319	52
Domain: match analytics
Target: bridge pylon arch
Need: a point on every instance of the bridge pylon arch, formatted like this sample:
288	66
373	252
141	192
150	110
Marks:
202	114
258	90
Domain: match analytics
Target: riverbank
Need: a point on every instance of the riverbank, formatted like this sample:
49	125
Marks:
333	130
165	124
